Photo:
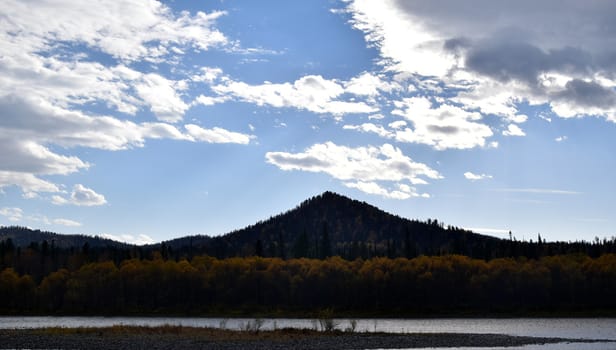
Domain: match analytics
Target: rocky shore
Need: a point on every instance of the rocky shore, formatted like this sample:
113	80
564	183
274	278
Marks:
216	339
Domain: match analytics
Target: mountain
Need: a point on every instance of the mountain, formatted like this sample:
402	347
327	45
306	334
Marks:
331	224
23	237
324	225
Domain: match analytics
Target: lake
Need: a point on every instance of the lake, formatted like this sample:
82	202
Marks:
586	328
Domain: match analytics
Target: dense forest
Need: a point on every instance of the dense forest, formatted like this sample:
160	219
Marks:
330	252
333	225
424	285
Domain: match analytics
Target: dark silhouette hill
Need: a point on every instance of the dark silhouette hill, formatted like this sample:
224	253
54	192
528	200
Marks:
23	236
331	224
325	225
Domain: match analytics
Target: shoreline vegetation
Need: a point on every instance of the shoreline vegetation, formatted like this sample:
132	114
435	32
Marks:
179	337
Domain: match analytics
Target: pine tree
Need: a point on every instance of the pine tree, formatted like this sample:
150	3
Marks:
301	246
326	247
259	248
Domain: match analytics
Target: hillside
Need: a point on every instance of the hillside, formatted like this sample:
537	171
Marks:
331	224
23	237
325	225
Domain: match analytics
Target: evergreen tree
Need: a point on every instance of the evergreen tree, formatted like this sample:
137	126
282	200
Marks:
301	246
281	246
259	248
326	246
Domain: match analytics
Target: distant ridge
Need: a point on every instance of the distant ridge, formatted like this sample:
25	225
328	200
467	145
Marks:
24	236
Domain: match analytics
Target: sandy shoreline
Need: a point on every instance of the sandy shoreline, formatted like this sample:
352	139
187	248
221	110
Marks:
213	339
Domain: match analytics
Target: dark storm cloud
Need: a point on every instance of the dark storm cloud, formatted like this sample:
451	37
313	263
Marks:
546	23
588	94
507	61
518	40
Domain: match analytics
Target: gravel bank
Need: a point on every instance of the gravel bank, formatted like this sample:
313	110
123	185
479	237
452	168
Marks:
208	339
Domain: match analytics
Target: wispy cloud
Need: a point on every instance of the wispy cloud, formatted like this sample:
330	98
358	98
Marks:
12	214
67	222
561	138
538	191
476	177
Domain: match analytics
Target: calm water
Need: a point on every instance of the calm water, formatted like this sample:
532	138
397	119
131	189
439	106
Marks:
588	328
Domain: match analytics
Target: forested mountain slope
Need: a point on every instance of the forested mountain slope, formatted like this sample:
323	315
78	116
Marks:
331	224
23	237
325	225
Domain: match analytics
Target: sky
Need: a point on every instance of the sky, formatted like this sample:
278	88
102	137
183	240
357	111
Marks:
143	121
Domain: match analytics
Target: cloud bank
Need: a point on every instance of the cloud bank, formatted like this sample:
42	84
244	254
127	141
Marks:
59	58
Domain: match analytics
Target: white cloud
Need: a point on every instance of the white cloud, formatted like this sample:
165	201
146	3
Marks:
402	192
443	127
513	130
404	44
216	135
42	58
12	214
17	214
128	30
66	222
561	138
361	167
368	84
30	157
161	95
475	177
60	58
210	100
81	196
519	118
495	56
139	239
30	184
370	127
208	75
311	92
398	124
539	191
28	124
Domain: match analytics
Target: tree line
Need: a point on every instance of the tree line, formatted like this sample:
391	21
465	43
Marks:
38	259
381	286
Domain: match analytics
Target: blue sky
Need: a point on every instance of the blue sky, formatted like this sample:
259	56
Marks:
143	121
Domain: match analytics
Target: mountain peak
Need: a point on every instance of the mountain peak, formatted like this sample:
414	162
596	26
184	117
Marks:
329	198
339	225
